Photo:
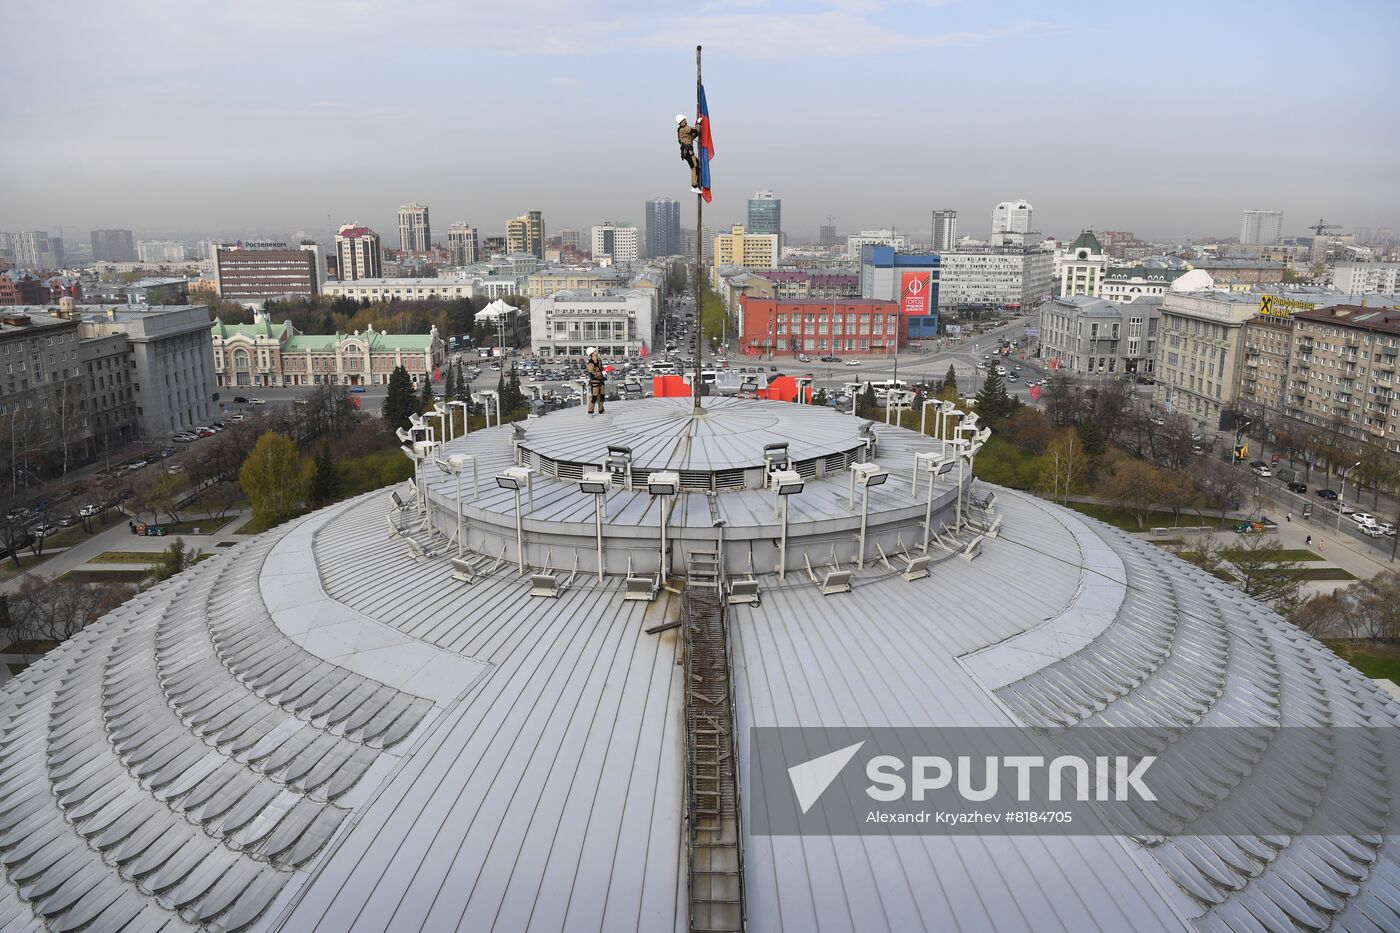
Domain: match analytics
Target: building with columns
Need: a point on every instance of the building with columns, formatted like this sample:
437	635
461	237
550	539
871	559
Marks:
264	354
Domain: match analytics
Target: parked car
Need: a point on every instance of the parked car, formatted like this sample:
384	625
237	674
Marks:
256	401
831	359
238	417
1263	471
1363	518
358	390
184	437
1329	494
1256	464
1298	487
853	362
804	358
1371	531
89	511
1386	528
67	521
240	400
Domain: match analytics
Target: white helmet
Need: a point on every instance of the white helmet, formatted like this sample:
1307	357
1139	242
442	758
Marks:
592	350
680	118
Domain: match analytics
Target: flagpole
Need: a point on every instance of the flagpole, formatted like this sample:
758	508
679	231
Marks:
695	386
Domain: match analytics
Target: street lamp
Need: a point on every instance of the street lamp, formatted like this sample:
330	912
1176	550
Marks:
935	464
1341	499
466	428
515	479
868	475
785	483
597	486
662	484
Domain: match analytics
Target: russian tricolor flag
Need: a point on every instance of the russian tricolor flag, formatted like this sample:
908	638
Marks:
707	144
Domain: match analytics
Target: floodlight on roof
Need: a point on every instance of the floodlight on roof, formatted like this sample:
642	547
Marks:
403	435
837	581
664	483
743	592
869	474
918	568
462	570
516	478
544	584
786	482
973	548
595	483
775	456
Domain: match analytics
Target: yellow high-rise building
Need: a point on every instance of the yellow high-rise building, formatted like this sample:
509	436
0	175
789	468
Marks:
525	234
750	250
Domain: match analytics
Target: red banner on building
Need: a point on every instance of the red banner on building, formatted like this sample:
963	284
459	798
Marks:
913	293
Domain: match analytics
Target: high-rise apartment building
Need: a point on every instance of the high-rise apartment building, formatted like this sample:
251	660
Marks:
569	238
1261	228
616	241
826	236
1343	373
1367	278
113	246
160	251
415	232
1012	217
765	214
663	227
525	234
740	248
36	250
269	270
463	244
357	253
945	230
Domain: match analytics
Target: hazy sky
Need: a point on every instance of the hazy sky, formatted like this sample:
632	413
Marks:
273	115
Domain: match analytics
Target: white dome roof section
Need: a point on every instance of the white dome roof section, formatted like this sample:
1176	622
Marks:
1195	280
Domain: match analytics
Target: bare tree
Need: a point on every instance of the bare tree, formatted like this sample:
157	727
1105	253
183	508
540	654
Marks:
1135	486
47	609
1324	615
1172	444
1061	400
1264	573
1222	482
1111	407
1063	465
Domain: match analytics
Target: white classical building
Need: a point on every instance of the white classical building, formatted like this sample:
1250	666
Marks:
1080	268
1126	284
400	289
567	323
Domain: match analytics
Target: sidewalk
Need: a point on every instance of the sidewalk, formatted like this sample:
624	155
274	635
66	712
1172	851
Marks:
120	538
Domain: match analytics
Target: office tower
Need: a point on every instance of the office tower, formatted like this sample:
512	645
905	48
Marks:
738	247
463	245
113	246
415	232
945	230
525	234
663	237
1011	217
357	253
1261	228
765	214
570	238
617	241
827	235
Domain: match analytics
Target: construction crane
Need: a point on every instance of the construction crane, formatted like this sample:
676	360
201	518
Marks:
1323	226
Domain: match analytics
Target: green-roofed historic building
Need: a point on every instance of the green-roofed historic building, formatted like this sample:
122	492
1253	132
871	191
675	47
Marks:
268	354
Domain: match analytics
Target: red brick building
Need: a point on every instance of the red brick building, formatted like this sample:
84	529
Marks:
854	326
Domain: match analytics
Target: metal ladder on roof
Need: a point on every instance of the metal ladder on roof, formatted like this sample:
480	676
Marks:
714	843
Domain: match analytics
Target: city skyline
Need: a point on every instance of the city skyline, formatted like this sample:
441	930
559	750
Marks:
262	144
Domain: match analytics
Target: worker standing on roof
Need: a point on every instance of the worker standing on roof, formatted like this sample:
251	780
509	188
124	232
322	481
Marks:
596	378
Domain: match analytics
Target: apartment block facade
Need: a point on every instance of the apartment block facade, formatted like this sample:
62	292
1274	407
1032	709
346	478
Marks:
1343	372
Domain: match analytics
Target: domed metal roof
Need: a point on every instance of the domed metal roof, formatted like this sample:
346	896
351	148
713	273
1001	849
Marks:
337	726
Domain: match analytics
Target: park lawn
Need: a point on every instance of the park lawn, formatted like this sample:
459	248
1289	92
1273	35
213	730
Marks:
126	557
1288	553
1375	661
105	576
27	561
1323	573
76	534
205	525
1123	518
